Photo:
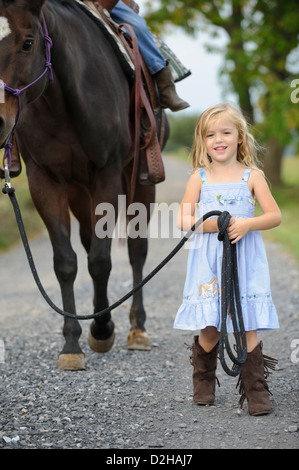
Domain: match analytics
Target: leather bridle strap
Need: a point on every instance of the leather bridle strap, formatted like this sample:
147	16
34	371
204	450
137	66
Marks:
16	92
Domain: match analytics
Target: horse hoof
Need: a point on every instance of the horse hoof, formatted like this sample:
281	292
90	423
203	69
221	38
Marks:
101	345
138	339
71	362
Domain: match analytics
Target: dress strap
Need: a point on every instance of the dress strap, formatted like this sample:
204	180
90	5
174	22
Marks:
203	175
246	175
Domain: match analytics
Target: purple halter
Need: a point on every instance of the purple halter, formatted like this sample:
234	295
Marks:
16	92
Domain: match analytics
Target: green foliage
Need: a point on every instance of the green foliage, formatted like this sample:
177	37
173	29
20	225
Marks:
181	131
261	56
287	197
9	232
281	116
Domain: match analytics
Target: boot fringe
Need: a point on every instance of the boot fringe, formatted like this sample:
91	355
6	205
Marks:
269	363
190	348
242	390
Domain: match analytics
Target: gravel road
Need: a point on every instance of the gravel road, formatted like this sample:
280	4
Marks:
131	399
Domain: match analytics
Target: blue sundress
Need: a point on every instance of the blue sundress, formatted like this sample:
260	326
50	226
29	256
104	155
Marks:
201	305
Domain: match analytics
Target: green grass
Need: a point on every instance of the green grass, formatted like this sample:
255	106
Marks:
287	197
9	233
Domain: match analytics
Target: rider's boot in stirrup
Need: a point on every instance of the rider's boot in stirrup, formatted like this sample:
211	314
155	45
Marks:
167	92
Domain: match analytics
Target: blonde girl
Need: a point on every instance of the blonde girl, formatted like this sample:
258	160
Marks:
227	176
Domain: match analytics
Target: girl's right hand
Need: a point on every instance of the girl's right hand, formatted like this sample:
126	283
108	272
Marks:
237	229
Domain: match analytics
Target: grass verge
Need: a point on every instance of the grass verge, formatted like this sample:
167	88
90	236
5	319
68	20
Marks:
287	197
9	232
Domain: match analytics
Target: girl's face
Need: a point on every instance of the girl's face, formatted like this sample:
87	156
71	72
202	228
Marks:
222	140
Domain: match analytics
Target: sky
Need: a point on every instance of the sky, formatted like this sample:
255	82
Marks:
202	88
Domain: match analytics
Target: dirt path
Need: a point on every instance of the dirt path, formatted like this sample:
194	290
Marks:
129	399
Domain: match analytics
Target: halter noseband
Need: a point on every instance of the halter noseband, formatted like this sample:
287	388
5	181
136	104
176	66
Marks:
16	92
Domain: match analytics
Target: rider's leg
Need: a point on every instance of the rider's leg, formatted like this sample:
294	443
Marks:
152	56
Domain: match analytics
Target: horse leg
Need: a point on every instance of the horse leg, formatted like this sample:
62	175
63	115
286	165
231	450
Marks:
101	334
137	248
80	205
137	338
51	203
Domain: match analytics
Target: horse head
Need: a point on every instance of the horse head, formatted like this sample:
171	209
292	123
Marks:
22	60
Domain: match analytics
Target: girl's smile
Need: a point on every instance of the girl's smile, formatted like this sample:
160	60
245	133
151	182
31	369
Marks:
222	140
220	149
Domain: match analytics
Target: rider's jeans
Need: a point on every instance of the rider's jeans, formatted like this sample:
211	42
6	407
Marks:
151	54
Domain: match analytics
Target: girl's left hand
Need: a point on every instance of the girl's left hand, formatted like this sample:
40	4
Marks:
237	229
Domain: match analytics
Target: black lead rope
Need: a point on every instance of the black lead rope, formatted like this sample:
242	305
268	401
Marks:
230	297
230	302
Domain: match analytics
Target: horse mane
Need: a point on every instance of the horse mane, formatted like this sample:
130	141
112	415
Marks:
62	2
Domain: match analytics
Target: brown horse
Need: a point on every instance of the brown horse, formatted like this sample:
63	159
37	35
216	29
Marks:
74	137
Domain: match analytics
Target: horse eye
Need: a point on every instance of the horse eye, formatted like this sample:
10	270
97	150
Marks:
27	45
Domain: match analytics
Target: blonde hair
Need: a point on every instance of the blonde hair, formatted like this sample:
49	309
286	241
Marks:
248	149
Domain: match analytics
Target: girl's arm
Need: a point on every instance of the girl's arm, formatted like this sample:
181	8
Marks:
271	216
186	218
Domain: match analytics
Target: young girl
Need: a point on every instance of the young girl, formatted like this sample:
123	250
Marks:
226	176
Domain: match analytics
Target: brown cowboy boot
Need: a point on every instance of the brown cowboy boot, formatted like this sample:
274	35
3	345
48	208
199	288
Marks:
204	373
167	92
252	381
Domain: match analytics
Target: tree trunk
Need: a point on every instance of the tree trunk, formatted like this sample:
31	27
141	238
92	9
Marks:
272	161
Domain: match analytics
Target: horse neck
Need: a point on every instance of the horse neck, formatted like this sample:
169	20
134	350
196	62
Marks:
57	20
74	36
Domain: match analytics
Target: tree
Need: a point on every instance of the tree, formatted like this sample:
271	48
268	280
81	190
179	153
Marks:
260	60
182	131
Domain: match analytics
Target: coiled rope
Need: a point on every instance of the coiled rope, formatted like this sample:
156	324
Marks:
230	297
